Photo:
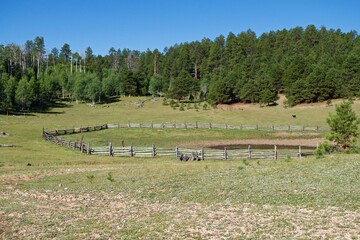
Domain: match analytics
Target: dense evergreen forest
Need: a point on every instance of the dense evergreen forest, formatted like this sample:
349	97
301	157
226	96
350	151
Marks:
307	65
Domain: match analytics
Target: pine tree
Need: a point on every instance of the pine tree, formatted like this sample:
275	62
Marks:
344	126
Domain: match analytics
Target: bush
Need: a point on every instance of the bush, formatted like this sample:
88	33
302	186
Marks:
165	102
205	107
324	148
110	177
172	103
188	106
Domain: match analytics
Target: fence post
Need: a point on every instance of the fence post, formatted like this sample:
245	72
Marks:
289	128
225	154
82	143
273	127
163	125
317	128
140	124
249	150
89	149
129	124
257	126
226	126
303	128
153	150
185	125
118	124
202	154
177	151
275	152
110	150
299	153
196	124
152	124
132	151
241	127
210	125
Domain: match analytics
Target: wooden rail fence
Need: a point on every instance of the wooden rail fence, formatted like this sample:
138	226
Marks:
131	151
217	126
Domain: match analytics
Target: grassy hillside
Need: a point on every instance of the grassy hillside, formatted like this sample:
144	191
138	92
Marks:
51	192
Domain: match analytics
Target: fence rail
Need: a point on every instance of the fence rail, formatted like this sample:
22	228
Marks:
217	126
131	151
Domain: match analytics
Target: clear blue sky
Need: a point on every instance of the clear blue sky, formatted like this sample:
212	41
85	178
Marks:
142	24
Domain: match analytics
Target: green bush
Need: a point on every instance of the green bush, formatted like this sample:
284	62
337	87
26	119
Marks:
165	102
324	148
205	107
172	103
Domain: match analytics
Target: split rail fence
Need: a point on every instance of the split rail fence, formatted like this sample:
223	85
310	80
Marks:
217	126
275	153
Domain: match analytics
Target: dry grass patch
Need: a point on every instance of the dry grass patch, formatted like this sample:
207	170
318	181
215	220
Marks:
57	214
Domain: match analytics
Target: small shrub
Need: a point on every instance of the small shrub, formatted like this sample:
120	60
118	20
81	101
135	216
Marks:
165	102
288	158
181	108
188	106
172	102
328	102
246	162
110	177
90	178
324	148
205	107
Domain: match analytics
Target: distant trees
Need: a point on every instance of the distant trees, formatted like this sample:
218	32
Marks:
307	65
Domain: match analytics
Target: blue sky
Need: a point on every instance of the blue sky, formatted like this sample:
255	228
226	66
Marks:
141	24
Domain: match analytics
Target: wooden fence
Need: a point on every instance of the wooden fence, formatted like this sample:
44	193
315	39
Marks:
217	126
153	151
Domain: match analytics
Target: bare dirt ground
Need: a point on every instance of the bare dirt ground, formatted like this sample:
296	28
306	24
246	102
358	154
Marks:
50	215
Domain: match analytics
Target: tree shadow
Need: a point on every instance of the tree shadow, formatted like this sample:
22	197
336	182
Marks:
45	108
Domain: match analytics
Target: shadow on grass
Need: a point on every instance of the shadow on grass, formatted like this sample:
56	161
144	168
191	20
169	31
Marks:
45	108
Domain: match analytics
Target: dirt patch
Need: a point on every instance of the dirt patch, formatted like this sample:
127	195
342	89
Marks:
271	142
112	216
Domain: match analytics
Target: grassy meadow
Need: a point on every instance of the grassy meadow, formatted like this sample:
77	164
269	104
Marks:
50	192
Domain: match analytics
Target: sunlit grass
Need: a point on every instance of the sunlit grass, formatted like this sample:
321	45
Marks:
48	191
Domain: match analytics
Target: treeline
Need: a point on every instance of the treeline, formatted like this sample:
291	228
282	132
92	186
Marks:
307	65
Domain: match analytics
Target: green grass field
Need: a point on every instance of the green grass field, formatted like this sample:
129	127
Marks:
50	192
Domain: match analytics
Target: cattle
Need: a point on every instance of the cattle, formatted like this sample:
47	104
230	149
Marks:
193	157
